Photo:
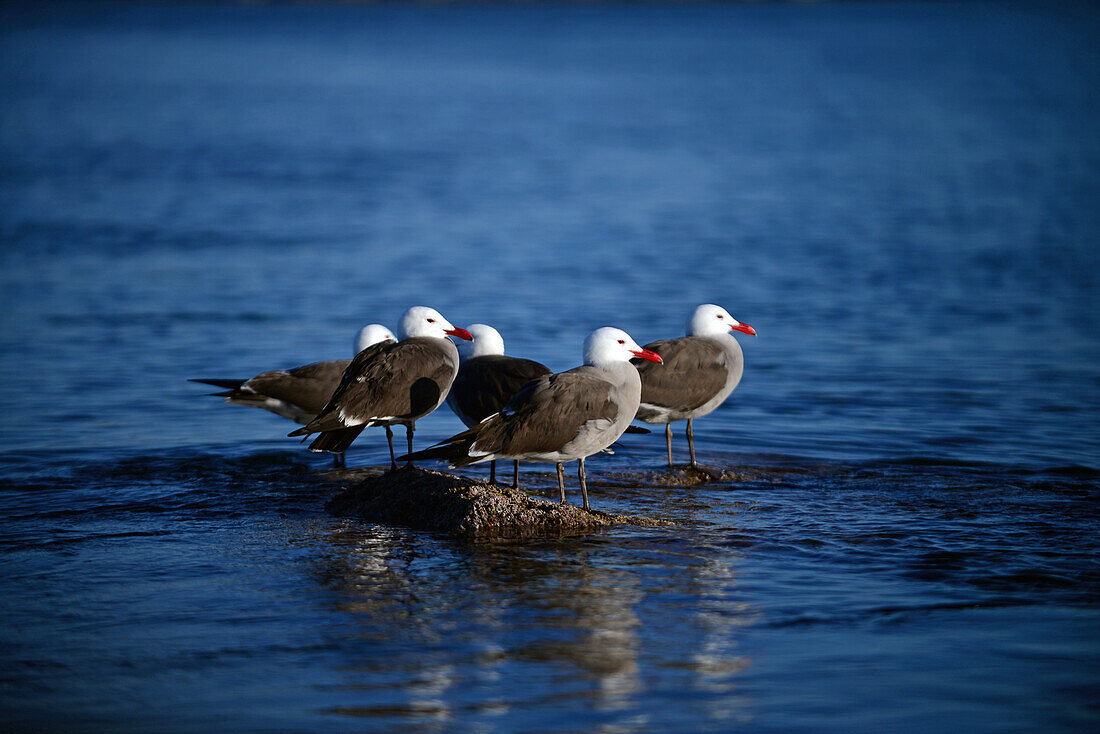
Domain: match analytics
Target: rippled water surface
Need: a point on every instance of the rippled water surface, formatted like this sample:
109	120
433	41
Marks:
901	198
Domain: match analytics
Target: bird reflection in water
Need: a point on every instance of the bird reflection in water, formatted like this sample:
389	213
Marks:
438	630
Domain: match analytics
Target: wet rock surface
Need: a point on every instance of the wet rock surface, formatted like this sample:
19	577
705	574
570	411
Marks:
430	500
687	475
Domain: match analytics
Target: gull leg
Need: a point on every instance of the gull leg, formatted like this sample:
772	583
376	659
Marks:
691	443
338	460
493	472
668	442
409	435
515	474
561	483
389	440
584	485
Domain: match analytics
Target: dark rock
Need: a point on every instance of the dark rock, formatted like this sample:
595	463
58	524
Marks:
686	475
430	500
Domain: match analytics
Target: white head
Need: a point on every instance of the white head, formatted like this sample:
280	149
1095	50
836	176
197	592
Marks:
608	345
370	335
710	320
487	340
424	321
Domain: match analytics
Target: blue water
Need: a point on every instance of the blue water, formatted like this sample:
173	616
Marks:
903	200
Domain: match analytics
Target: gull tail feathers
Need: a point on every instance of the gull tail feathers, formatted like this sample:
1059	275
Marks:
325	423
336	442
454	450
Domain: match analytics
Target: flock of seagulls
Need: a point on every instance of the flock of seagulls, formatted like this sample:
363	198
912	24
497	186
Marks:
514	409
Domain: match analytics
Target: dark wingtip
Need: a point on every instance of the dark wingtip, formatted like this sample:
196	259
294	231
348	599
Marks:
217	382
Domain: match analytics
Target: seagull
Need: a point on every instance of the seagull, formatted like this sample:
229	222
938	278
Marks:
486	380
390	383
699	372
297	394
560	417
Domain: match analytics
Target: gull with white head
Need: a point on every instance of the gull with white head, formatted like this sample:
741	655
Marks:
391	383
560	417
700	371
297	394
487	380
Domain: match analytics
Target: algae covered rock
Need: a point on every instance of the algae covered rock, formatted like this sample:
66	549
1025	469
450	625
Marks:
430	500
687	476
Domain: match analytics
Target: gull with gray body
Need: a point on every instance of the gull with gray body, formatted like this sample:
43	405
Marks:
566	416
700	371
390	383
300	393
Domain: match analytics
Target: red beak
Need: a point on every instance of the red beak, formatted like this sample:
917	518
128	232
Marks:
744	328
648	354
460	333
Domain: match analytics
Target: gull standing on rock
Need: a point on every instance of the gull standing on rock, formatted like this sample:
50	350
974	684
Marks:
391	383
487	379
560	417
699	372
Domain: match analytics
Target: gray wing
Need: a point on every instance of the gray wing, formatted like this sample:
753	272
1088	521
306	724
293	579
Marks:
694	371
309	387
485	384
387	380
546	414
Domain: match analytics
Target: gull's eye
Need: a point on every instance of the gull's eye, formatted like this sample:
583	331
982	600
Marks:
431	321
621	342
720	316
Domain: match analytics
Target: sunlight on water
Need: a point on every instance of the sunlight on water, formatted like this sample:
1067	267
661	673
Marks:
901	198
